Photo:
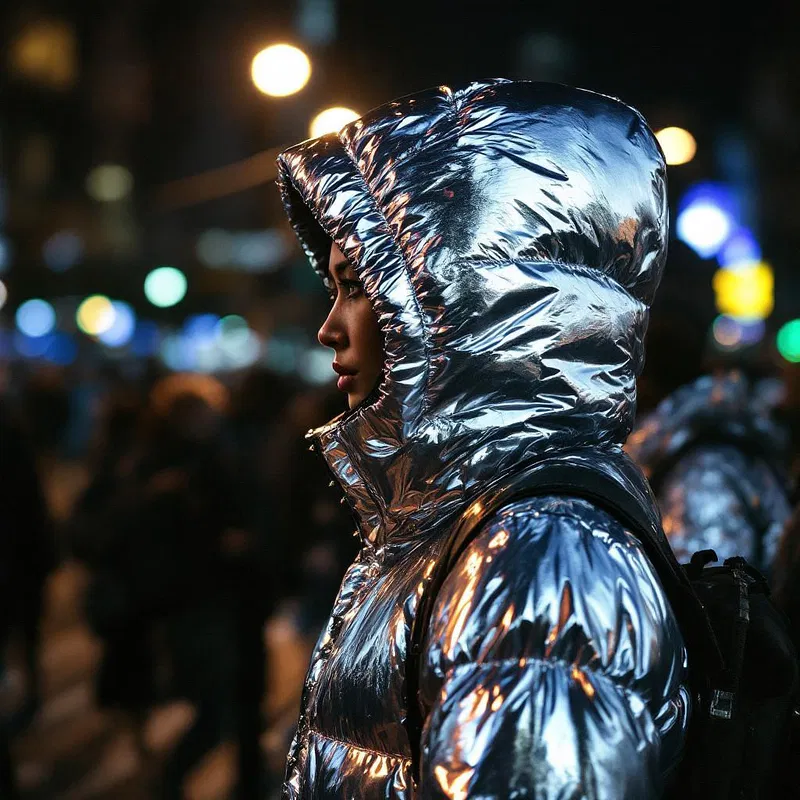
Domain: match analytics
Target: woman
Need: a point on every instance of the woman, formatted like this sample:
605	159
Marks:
492	253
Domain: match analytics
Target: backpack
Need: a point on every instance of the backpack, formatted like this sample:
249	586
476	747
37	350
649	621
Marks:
743	670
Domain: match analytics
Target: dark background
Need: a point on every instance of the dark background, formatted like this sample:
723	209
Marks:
165	90
106	474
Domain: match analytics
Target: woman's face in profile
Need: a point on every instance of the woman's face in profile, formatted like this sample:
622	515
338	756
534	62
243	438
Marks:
351	331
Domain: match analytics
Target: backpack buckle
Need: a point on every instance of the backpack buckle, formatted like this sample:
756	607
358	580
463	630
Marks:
721	704
699	561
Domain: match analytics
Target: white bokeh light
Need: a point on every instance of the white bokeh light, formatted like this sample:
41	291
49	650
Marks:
704	227
280	70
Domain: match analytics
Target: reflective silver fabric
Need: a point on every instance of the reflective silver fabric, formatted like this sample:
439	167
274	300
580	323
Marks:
510	237
716	495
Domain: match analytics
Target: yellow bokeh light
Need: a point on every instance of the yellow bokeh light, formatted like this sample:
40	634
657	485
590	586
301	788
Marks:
678	145
280	70
331	120
745	292
95	315
46	51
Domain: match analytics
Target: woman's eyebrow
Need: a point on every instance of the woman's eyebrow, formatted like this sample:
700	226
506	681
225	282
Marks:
341	267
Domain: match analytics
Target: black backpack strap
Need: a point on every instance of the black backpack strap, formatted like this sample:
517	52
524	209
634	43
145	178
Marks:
569	479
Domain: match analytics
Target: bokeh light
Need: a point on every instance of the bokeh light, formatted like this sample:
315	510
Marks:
788	341
146	338
165	287
95	315
176	353
3	294
730	333
741	247
232	332
214	247
706	218
61	349
122	328
280	70
36	318
45	51
31	346
704	227
201	326
727	332
316	366
331	120
109	183
745	292
679	145
63	250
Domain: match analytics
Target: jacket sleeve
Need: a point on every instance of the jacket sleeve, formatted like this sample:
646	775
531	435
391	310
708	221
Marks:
718	498
554	667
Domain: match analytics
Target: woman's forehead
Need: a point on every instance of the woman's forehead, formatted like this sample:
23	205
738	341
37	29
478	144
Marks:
338	265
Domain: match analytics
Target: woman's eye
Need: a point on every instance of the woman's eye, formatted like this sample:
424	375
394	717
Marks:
351	288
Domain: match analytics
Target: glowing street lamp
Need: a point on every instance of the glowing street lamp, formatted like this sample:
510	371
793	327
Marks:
280	70
331	120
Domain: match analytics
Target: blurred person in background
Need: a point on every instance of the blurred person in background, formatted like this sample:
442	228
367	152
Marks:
28	552
491	253
27	556
162	560
47	408
717	461
96	536
259	552
330	543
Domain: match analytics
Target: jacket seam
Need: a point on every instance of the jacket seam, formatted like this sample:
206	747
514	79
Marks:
547	663
345	743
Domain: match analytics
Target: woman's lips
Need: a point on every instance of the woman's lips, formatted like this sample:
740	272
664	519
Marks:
346	383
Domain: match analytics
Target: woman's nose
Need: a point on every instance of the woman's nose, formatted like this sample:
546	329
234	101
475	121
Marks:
331	333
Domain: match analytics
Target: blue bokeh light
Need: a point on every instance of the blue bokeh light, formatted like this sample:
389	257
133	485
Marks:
123	327
36	318
741	247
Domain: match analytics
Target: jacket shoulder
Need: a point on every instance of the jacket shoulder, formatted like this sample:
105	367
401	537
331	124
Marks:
557	579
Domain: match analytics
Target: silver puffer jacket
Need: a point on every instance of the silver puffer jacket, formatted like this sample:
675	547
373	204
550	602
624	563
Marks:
709	446
510	237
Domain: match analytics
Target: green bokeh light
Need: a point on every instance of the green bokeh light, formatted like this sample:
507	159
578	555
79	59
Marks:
788	341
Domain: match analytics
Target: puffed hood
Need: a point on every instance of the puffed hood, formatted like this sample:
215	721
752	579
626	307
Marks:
510	236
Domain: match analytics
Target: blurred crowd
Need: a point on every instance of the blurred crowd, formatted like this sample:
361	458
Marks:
199	514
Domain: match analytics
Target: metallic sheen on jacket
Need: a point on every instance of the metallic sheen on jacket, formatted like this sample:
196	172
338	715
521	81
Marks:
719	494
510	237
